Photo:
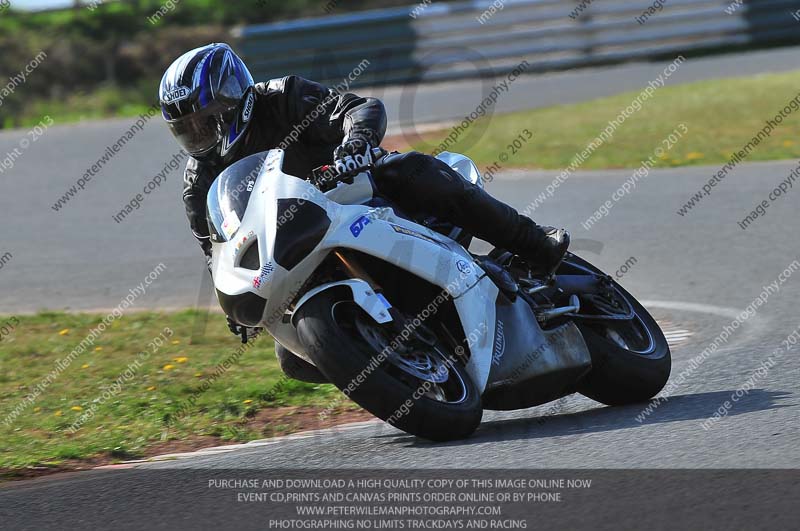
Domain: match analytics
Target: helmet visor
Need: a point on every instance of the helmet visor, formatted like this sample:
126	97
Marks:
201	131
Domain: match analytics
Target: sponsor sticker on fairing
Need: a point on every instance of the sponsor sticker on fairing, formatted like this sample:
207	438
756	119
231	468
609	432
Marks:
231	224
358	226
415	234
499	343
244	240
263	276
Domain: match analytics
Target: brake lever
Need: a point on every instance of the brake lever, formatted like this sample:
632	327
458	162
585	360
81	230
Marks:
327	177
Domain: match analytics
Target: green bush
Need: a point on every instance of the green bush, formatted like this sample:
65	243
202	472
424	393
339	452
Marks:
93	53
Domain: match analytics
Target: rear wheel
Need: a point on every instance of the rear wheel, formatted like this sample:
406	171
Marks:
415	384
631	360
622	371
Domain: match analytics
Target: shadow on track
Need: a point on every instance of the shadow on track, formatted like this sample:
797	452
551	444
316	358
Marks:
678	408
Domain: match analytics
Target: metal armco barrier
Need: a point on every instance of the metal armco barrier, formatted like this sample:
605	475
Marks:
448	41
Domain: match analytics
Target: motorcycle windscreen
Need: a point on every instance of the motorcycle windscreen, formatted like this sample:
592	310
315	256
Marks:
229	194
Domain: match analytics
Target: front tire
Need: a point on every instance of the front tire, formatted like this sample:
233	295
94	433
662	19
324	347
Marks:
340	338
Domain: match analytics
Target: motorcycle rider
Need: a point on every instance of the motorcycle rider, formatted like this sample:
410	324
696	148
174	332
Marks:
219	115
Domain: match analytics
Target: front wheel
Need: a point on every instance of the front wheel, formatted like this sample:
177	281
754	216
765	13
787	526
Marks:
411	382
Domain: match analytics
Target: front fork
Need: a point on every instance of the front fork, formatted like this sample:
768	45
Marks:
399	322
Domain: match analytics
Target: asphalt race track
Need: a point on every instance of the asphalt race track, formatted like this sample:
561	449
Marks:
696	273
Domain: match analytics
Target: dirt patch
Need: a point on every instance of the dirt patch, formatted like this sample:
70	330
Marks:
396	143
274	422
270	422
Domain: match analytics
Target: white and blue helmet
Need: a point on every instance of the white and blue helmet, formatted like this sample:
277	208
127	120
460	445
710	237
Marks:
207	98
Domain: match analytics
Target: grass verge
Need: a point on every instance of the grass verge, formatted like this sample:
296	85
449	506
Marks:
721	116
128	405
103	102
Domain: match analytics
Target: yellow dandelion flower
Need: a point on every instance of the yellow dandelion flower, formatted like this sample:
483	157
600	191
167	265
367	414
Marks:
168	367
76	408
694	155
198	374
98	349
247	402
151	388
85	366
57	413
63	332
37	409
181	359
176	342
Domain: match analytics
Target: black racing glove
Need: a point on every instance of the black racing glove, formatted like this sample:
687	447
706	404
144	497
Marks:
244	332
355	152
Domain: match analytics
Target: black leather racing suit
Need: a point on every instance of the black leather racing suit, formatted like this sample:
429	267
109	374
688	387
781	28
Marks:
309	121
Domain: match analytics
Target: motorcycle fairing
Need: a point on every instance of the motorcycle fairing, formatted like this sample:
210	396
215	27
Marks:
380	233
531	366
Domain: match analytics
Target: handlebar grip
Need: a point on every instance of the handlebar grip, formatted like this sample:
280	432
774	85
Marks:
328	176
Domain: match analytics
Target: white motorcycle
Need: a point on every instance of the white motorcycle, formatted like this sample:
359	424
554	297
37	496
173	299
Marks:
401	317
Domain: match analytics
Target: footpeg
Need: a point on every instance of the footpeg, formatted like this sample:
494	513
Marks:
551	313
535	286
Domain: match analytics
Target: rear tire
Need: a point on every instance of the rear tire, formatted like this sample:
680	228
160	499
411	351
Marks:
619	375
346	358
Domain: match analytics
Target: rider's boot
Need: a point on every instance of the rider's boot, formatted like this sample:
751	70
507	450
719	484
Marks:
543	248
296	367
